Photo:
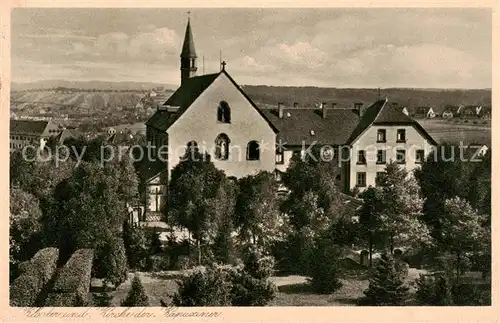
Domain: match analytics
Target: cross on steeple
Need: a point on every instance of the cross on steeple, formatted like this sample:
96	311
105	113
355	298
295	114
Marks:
189	14
223	65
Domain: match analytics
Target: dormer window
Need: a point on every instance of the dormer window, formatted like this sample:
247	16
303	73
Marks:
224	112
312	132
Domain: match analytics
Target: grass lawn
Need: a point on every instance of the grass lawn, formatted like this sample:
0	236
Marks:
292	290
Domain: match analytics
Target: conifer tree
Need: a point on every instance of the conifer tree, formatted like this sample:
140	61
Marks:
137	296
387	286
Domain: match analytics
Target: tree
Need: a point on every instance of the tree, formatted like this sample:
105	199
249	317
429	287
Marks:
111	261
88	207
387	287
369	221
257	215
462	230
434	291
442	176
324	266
136	296
136	246
312	204
397	207
194	183
24	225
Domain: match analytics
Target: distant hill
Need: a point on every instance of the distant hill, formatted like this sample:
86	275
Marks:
86	85
344	97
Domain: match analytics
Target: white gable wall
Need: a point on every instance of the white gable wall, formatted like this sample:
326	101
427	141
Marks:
199	123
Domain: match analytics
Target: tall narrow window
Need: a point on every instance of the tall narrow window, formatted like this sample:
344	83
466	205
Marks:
380	156
419	156
361	157
222	147
381	135
400	156
401	135
224	112
279	156
361	179
253	150
191	149
379	177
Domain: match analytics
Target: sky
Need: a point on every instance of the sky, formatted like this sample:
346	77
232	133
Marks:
328	47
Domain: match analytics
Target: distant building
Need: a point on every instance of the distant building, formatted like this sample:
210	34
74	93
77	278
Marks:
423	112
405	111
31	132
469	111
485	112
448	112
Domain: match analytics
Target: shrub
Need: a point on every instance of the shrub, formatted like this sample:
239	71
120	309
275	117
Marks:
210	286
103	299
75	275
24	291
155	244
324	268
433	291
136	246
471	295
386	285
35	276
67	300
158	263
250	291
111	261
136	296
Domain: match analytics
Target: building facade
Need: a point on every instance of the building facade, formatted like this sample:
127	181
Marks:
31	132
213	113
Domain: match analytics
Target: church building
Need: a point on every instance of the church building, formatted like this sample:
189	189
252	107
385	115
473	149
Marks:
214	114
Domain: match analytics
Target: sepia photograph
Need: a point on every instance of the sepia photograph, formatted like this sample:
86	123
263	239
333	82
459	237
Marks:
257	157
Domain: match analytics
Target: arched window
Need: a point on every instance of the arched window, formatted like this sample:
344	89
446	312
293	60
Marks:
224	112
222	147
253	150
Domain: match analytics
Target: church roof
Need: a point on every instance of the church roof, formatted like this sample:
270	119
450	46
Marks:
186	94
188	50
296	126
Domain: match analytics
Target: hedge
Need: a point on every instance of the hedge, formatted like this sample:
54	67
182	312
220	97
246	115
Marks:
75	275
66	300
36	273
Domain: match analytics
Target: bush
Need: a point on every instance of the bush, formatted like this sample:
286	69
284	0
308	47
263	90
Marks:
111	261
136	246
35	276
471	295
155	244
250	291
324	268
67	300
386	285
24	291
210	286
76	273
136	296
158	263
103	299
433	291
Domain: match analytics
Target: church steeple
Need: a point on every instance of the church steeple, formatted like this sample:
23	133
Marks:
188	55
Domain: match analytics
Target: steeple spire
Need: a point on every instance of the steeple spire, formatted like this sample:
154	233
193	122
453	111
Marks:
188	50
188	54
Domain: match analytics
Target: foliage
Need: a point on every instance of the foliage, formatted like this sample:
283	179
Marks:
111	261
90	205
24	225
136	246
395	209
471	295
434	291
67	300
257	214
210	286
36	274
103	299
442	176
194	184
324	267
386	285
462	230
75	275
136	296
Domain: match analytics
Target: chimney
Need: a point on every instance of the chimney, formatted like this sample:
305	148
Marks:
280	110
323	110
296	105
334	105
358	108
